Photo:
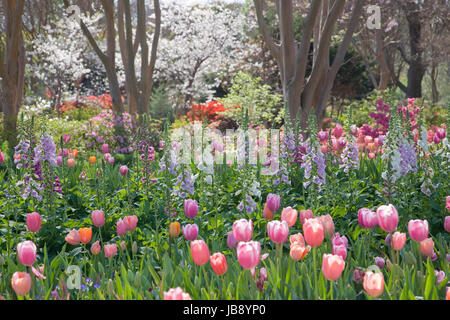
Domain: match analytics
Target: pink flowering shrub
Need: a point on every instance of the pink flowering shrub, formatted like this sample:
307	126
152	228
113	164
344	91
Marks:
114	131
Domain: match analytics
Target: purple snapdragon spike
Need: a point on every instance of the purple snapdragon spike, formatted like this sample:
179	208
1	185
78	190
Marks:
408	161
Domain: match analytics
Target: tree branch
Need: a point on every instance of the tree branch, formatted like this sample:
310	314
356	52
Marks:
268	39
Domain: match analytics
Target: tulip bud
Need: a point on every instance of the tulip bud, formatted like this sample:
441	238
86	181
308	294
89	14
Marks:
123	170
418	229
314	232
21	283
134	247
379	261
96	248
110	287
373	283
174	229
199	252
289	215
33	222
219	263
332	266
190	208
231	241
243	230
26	252
387	218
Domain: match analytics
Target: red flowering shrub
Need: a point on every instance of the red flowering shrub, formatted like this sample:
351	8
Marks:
89	102
209	110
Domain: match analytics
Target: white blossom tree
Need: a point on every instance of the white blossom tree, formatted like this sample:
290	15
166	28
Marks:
198	45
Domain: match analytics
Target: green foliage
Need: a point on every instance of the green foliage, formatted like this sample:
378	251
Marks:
265	108
160	106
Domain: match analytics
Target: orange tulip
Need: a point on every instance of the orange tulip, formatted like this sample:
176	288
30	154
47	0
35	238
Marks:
85	235
298	252
267	213
174	229
92	159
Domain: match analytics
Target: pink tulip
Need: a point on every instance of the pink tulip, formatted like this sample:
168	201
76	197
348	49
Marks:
273	202
21	283
447	203
231	241
66	138
387	218
33	222
2	157
418	229
110	250
340	250
107	156
96	248
340	240
367	218
440	133
73	237
26	251
199	252
190	231
105	148
328	225
111	160
59	161
332	266
190	208
123	170
71	163
243	230
427	247
130	222
98	218
278	231
447	223
436	139
121	228
289	215
398	240
219	263
249	254
306	214
373	283
314	232
176	294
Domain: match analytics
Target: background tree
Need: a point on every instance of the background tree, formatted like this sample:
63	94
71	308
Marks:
301	93
12	66
139	89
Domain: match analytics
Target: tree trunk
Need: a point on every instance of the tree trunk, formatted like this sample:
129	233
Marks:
416	69
434	88
13	68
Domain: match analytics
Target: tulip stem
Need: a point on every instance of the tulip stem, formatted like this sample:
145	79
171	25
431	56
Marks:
331	290
315	271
